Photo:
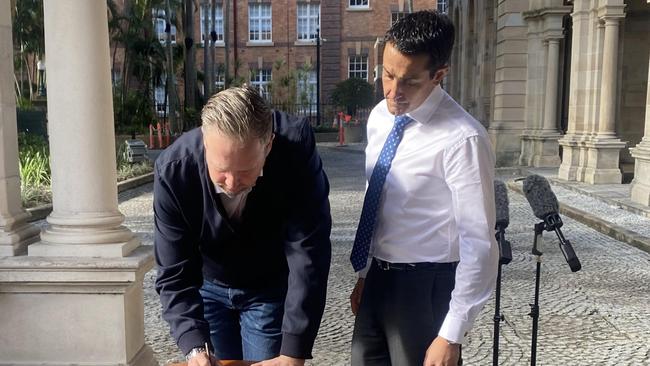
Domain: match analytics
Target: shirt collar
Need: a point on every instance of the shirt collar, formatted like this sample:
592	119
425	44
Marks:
423	113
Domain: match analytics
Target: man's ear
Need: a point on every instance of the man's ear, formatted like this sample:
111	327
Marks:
269	144
440	74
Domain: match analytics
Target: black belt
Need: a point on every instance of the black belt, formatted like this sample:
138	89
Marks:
387	266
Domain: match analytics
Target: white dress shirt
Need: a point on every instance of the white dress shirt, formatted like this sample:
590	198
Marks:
437	203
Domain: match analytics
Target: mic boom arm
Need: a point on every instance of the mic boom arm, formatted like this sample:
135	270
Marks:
553	222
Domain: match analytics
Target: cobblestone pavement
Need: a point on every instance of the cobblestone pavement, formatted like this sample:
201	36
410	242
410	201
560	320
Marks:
598	316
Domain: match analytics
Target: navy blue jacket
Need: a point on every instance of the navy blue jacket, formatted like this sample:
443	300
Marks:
282	240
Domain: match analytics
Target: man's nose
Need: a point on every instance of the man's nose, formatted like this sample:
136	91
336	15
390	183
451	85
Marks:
232	180
399	89
396	90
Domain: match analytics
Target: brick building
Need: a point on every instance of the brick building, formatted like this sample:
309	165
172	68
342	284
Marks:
272	44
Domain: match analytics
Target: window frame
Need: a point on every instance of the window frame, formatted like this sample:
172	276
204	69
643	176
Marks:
396	15
158	19
308	18
363	59
258	20
311	83
358	6
259	83
161	97
218	17
219	80
445	6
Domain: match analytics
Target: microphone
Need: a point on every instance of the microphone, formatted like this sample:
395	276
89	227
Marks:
546	207
502	221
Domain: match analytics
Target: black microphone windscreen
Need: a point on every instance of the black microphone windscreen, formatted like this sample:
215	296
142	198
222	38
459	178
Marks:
501	204
540	196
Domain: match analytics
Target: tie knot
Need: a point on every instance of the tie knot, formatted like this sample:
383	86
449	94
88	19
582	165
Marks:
402	120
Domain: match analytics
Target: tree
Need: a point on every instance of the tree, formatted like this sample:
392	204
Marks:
352	94
29	38
143	62
190	59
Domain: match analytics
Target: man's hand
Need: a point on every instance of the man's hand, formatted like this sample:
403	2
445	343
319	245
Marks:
441	353
202	359
355	297
281	360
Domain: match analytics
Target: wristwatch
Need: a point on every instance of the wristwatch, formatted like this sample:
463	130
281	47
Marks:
195	351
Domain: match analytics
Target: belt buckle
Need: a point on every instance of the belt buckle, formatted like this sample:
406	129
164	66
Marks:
383	265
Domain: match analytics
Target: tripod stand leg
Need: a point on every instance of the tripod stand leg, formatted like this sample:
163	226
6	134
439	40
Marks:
534	313
534	307
497	319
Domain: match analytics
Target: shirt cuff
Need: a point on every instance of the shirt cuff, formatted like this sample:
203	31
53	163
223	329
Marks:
191	339
454	329
296	346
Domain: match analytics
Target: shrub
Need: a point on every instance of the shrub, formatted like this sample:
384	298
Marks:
353	94
34	166
35	176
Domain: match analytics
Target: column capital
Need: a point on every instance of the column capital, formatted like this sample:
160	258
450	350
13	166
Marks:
558	11
611	12
553	35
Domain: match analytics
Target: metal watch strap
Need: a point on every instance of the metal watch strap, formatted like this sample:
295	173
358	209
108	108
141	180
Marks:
195	351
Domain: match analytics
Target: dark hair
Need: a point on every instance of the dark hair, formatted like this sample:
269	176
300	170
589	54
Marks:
425	32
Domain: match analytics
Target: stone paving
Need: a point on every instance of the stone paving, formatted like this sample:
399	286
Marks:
598	316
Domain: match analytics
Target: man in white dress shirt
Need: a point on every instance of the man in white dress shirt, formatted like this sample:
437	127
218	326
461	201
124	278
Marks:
432	258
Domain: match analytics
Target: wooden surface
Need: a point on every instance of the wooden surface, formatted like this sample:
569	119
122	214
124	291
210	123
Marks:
223	362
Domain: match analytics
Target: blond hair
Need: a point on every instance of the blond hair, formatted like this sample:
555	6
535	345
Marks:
238	112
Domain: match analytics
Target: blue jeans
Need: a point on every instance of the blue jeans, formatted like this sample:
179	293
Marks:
245	324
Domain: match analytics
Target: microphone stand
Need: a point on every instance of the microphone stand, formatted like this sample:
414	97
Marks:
534	307
505	256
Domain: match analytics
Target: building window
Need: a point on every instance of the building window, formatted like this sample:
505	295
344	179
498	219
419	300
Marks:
159	23
261	80
217	26
396	15
116	76
308	21
306	89
219	81
161	98
259	22
358	67
442	6
359	3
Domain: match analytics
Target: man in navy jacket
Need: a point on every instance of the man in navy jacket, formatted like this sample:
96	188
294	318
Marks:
242	225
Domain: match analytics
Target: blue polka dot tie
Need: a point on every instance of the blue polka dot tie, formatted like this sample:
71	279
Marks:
359	256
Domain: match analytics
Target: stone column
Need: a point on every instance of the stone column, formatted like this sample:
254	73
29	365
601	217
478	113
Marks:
545	145
540	146
85	221
550	97
603	150
607	125
640	191
508	117
534	91
77	297
579	91
15	232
